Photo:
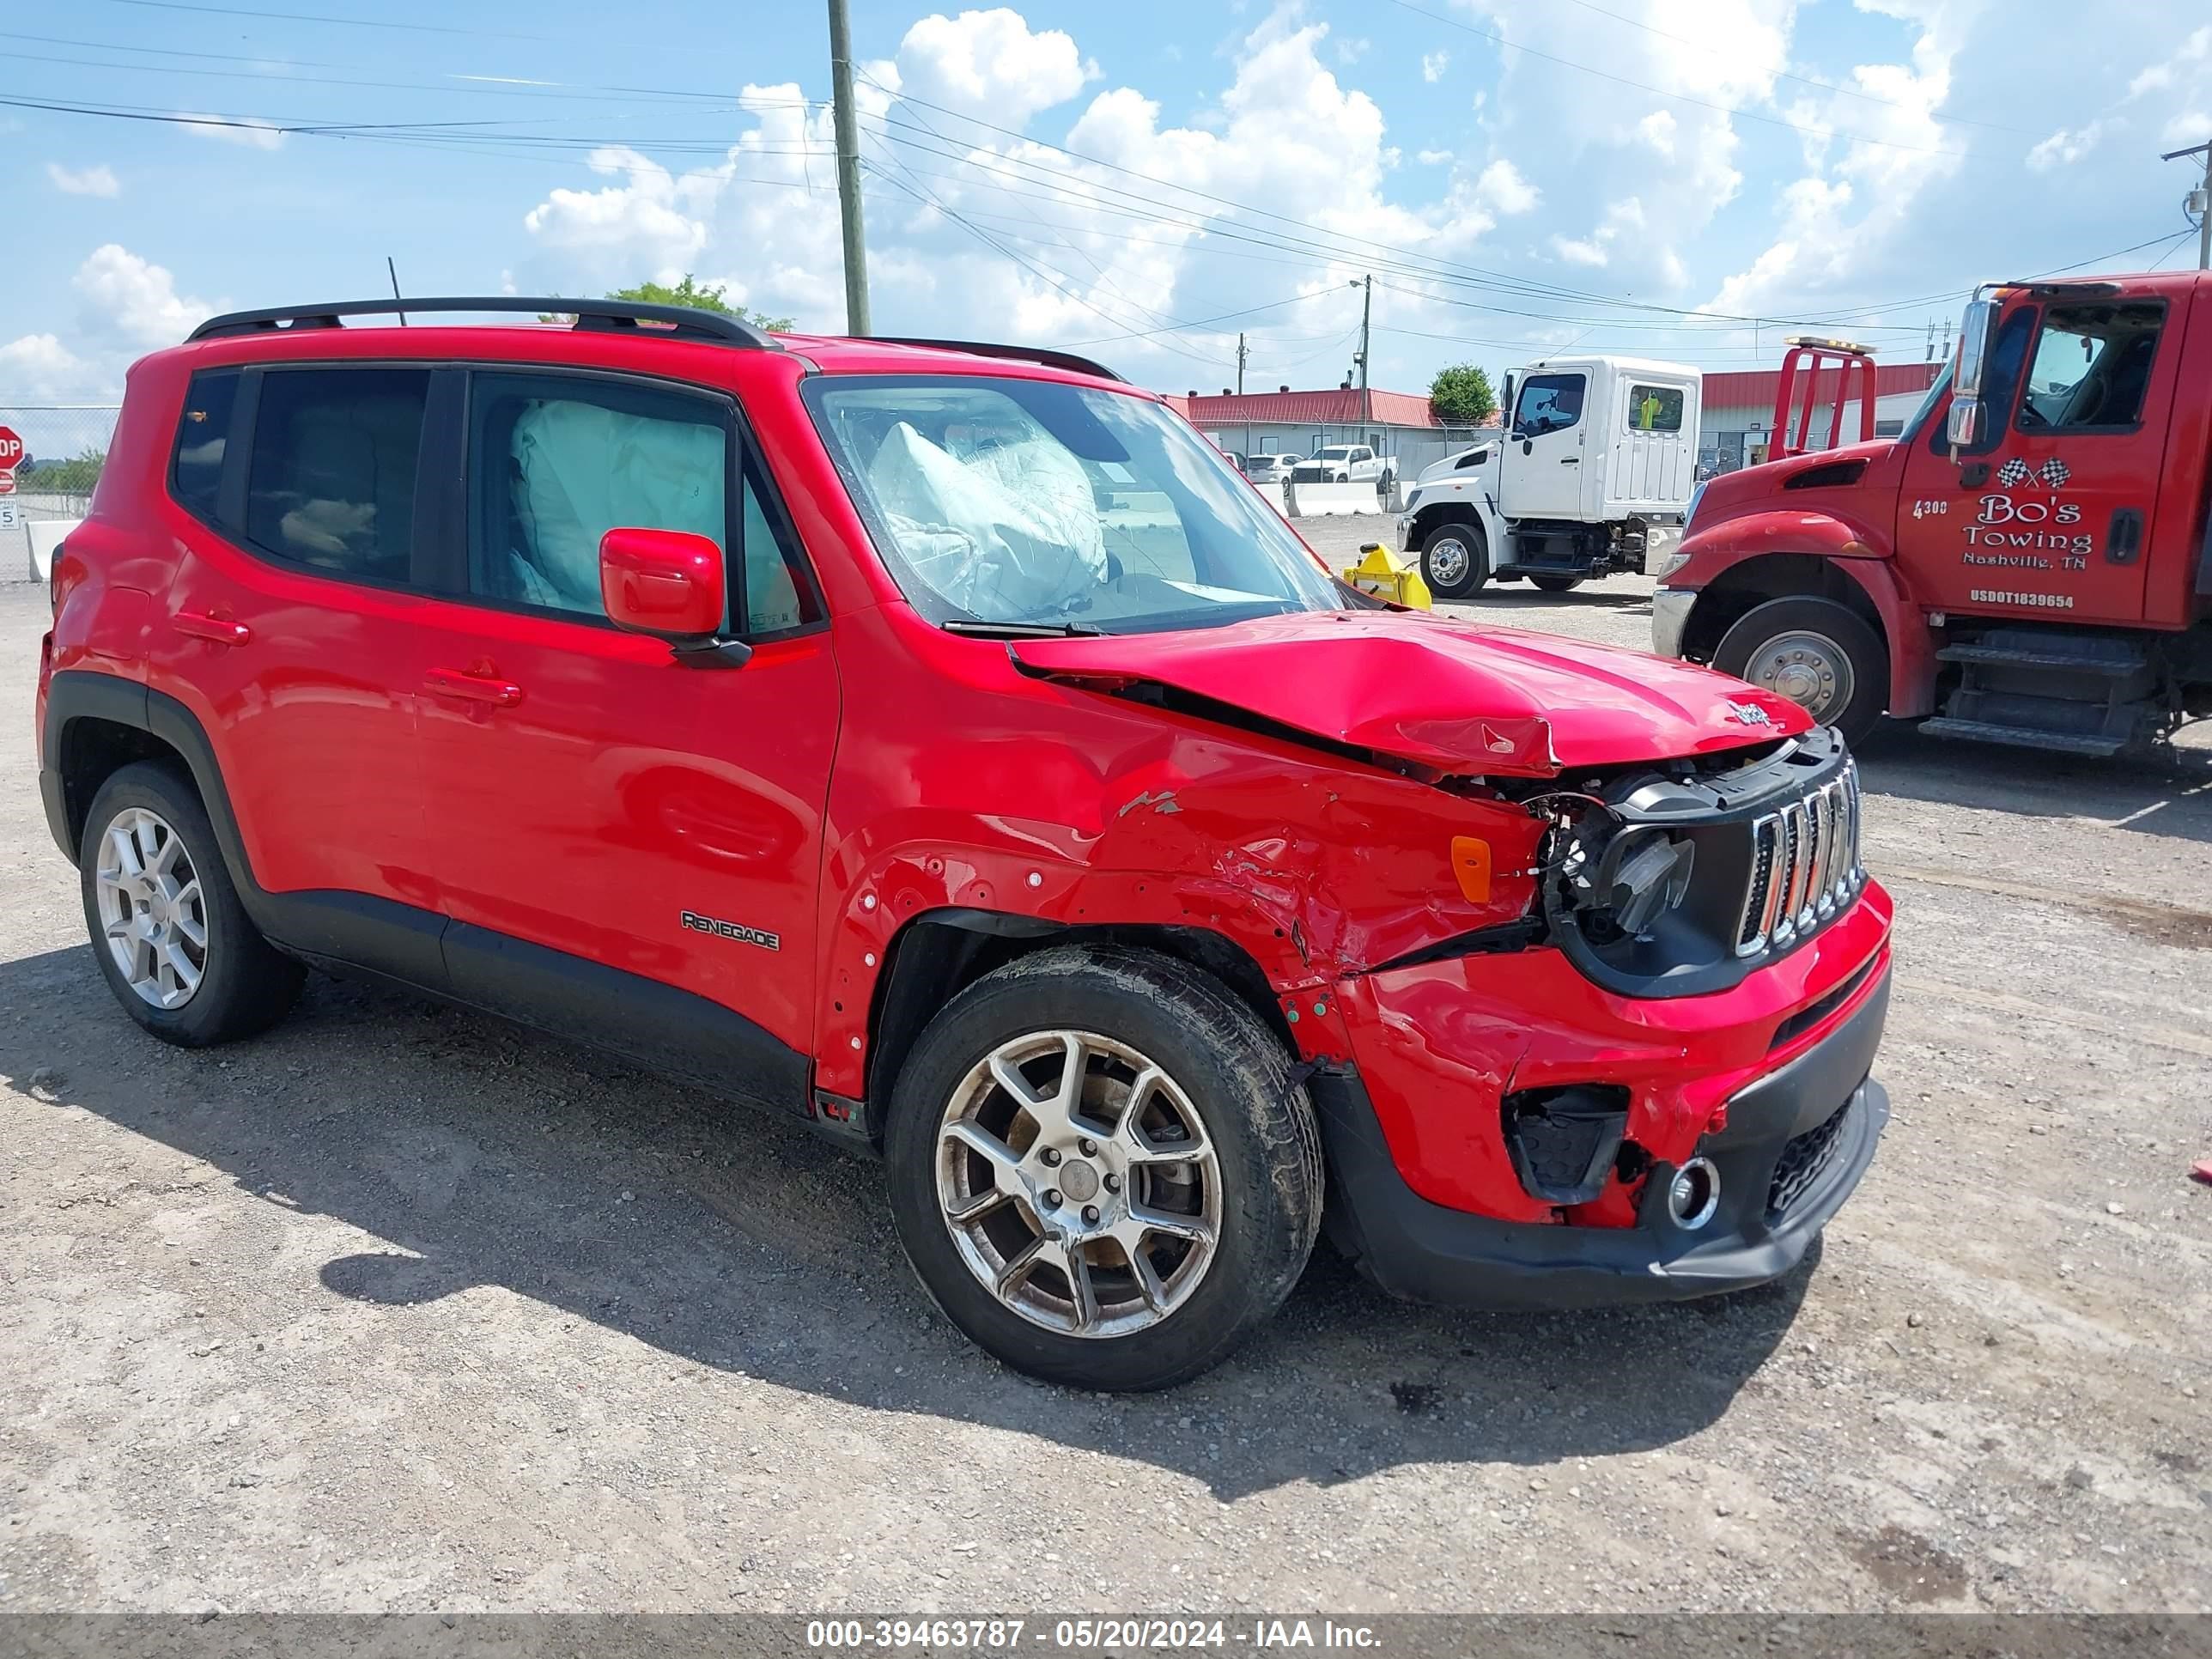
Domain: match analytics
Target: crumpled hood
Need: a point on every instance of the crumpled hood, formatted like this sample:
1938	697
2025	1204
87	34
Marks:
1454	695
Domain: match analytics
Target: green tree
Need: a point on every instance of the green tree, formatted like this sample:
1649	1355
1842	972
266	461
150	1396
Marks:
70	477
1462	396
710	297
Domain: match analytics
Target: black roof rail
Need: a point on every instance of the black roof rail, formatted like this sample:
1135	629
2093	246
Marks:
1044	355
680	322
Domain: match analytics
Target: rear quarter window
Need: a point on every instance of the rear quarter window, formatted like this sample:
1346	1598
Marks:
202	435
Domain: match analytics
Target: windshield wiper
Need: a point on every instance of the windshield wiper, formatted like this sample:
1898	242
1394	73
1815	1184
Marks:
1023	630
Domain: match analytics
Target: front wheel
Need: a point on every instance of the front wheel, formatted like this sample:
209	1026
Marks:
1818	655
1557	583
1102	1169
1454	562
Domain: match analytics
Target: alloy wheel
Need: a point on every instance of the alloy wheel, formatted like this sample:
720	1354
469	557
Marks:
1078	1183
152	913
1448	561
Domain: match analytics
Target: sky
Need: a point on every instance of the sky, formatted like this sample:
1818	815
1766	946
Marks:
1688	180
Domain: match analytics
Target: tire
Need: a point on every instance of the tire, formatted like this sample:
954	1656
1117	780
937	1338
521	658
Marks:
244	985
1455	559
1257	1180
1817	647
1558	584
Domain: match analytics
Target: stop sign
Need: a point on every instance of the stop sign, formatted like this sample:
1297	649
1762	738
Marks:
11	449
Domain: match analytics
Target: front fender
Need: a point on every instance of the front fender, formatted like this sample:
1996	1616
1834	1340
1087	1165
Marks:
1712	549
1710	552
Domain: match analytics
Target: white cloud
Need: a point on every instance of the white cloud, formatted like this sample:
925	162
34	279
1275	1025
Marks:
1658	130
1848	210
1430	158
650	221
2065	147
1503	188
1434	63
83	181
1352	50
991	64
2159	77
124	296
40	369
249	130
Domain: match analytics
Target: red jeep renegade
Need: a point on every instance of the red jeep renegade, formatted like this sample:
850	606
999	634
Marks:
944	743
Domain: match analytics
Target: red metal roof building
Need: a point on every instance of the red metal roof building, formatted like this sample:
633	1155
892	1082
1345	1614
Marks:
1399	426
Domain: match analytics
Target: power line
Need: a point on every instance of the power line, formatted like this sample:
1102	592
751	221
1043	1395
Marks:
310	17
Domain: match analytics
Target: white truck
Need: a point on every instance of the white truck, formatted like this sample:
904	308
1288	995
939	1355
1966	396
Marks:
1341	464
1593	470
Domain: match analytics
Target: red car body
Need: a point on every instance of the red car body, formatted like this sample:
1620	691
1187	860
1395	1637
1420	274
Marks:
422	785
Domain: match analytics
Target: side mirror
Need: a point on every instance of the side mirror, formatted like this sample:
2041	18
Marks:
1974	336
1965	428
667	583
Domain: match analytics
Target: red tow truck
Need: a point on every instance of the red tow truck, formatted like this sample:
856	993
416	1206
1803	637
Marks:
2029	562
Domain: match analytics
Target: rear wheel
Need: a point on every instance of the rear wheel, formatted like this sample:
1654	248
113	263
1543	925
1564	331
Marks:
1454	560
170	936
1817	654
1558	584
1102	1168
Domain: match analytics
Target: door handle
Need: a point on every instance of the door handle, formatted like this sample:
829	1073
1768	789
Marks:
1570	460
471	688
220	630
2124	539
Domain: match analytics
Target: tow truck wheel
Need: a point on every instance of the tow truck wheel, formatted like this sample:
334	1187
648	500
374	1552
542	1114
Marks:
1815	653
1557	583
1455	561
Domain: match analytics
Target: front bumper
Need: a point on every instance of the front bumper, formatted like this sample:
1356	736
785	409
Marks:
1796	1144
1670	615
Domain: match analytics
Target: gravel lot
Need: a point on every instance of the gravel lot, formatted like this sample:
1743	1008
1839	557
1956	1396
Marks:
399	1308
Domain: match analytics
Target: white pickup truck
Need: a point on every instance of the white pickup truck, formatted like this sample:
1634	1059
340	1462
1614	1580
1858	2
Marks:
1592	470
1341	464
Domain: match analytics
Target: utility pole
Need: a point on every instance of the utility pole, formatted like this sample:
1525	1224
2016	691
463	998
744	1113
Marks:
1366	312
849	170
2201	200
1241	354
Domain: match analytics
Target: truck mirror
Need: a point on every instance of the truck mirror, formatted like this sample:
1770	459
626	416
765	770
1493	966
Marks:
1966	425
1974	336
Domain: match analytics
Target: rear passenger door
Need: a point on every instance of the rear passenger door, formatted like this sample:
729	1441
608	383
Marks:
628	844
289	631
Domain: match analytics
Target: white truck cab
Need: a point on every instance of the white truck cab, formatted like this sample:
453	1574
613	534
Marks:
1595	466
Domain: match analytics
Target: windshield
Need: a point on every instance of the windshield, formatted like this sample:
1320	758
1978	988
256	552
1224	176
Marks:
1935	395
1038	503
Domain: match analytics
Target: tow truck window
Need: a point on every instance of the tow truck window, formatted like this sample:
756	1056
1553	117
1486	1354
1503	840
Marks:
2092	367
1548	402
1655	408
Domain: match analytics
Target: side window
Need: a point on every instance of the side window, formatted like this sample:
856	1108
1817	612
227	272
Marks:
1548	402
331	482
1655	408
2091	367
203	433
555	463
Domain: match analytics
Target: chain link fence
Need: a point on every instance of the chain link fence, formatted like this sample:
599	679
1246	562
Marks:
64	447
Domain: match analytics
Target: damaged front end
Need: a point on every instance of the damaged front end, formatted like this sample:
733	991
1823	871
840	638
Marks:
1682	878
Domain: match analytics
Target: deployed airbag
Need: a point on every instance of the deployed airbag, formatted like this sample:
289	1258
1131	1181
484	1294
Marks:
581	470
1008	533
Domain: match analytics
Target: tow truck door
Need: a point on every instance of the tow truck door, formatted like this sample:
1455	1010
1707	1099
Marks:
1540	474
2049	515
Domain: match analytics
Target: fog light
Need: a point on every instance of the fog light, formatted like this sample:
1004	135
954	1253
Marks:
1694	1194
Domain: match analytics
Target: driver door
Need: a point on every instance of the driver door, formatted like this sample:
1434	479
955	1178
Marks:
1541	474
2049	517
